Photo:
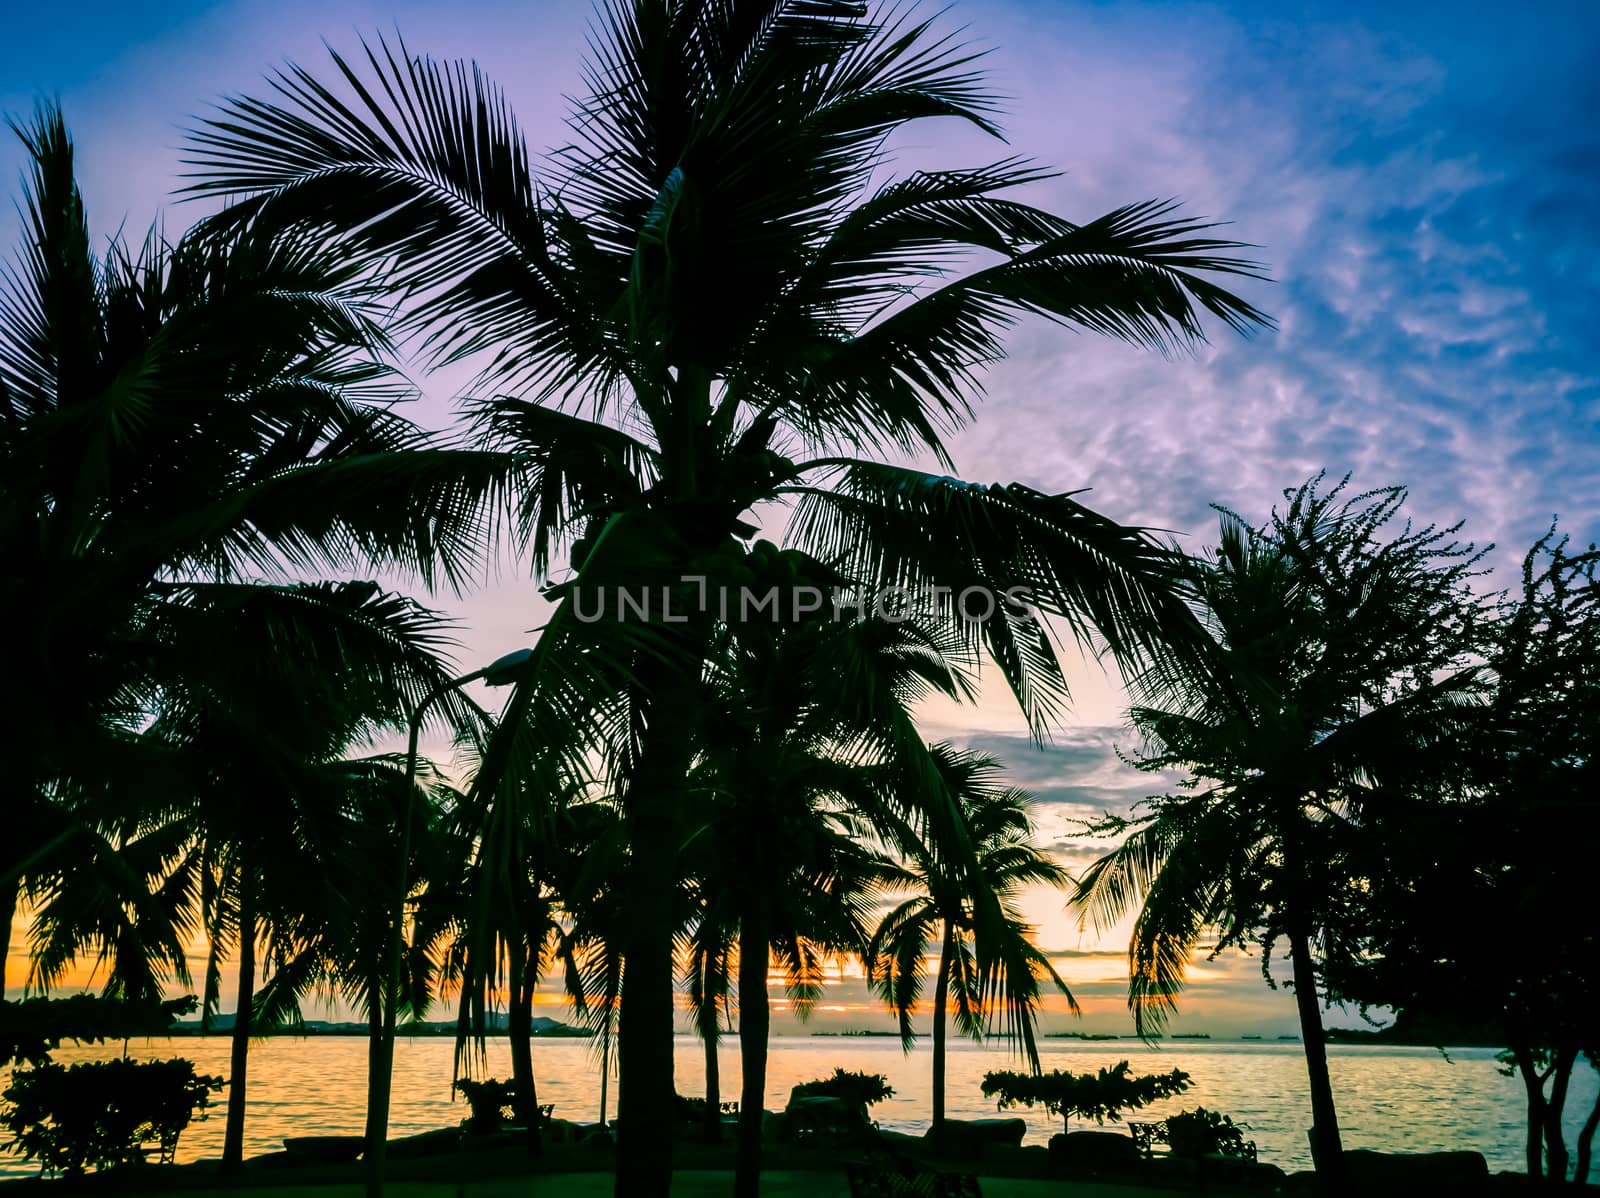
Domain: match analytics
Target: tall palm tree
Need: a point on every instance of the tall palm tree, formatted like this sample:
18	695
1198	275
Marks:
709	301
992	970
1338	665
174	413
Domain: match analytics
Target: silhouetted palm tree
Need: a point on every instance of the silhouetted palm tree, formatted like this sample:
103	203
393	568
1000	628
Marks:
708	984
730	304
334	938
795	779
281	681
1337	667
173	413
522	907
991	969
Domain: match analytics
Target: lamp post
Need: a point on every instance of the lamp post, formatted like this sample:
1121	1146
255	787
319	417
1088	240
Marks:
503	671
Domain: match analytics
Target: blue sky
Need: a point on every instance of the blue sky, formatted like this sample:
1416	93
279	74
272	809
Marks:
1422	180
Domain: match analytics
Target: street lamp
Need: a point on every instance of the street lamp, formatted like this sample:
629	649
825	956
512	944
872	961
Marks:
503	671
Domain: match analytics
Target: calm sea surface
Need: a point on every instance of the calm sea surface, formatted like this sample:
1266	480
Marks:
1401	1099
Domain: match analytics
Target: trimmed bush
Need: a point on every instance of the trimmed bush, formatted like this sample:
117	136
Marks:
1098	1096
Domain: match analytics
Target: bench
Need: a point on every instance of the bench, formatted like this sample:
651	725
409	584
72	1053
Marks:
906	1179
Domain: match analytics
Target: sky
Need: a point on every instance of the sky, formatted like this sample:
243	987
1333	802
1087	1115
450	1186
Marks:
1421	180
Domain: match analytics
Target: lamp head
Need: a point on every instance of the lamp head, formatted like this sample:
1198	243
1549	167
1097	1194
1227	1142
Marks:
503	671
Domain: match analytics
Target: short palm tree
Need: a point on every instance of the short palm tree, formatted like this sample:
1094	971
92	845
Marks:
710	301
333	940
293	675
791	774
516	912
1338	665
992	970
708	985
315	669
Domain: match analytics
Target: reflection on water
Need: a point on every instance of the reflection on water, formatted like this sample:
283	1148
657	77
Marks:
1401	1099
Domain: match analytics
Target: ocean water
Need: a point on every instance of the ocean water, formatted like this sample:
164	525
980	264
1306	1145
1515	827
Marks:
1397	1099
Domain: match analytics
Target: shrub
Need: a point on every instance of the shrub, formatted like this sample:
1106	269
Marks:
865	1088
491	1101
1098	1096
1197	1133
100	1114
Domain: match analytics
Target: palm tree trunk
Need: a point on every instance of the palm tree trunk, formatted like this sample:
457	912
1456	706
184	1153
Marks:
755	1020
941	997
710	1033
1586	1137
1533	1087
605	1068
519	1029
8	912
645	1088
1327	1152
233	1136
374	1042
380	1077
1555	1142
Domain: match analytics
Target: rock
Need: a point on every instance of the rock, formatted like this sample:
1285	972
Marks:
429	1143
325	1150
1264	1177
826	1120
1386	1173
971	1138
1094	1150
594	1136
1020	1160
774	1127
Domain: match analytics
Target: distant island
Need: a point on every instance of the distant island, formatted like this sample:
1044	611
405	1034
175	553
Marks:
1079	1036
222	1025
1419	1031
857	1032
1191	1035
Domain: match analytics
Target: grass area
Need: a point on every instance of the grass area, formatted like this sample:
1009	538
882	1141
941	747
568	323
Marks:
703	1183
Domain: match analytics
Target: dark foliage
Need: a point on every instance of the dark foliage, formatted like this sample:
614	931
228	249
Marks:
100	1115
865	1088
1197	1133
30	1030
1098	1096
